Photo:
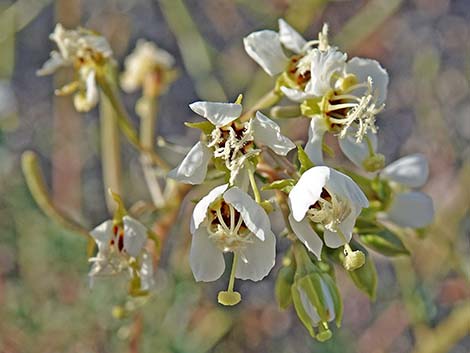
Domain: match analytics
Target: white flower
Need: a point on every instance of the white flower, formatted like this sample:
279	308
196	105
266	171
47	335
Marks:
146	59
327	197
410	208
230	141
228	219
118	247
83	50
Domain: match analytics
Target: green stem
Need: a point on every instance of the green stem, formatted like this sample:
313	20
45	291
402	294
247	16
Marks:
231	282
254	187
369	146
38	189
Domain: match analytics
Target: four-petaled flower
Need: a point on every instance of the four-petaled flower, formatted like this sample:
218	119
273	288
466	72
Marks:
413	209
328	198
230	141
121	248
84	50
229	220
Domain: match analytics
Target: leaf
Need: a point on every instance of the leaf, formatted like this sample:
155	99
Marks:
205	126
365	277
384	242
284	185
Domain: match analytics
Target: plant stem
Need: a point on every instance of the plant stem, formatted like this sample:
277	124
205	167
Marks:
231	282
254	187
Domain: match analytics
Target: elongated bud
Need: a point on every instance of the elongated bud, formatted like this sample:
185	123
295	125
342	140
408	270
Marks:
284	281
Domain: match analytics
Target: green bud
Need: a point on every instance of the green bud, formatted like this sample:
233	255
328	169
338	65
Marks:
374	163
384	242
284	281
229	298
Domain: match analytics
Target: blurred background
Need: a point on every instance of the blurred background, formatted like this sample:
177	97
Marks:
423	301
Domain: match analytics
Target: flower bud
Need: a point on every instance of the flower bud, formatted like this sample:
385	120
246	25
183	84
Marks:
374	163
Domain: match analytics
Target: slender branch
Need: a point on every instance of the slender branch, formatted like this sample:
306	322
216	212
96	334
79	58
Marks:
38	189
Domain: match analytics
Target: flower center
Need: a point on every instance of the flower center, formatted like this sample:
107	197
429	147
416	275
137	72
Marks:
330	210
345	109
227	228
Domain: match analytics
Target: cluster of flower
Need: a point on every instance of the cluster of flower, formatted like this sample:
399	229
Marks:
322	207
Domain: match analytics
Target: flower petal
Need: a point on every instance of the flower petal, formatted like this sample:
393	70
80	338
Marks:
314	146
135	236
200	210
304	231
357	152
253	215
147	280
307	191
55	62
290	38
103	234
92	94
268	133
257	259
264	47
193	168
219	114
364	68
334	239
323	67
412	170
205	259
295	94
412	209
341	184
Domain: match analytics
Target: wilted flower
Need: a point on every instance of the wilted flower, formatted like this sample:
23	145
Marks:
121	248
229	140
84	50
409	208
328	198
229	220
147	63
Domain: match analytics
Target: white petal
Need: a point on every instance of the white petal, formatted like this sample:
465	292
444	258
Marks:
147	280
257	259
412	209
92	94
52	64
219	114
135	236
103	234
314	146
295	94
268	133
290	38
264	47
412	170
307	191
323	67
357	152
200	210
334	239
309	307
341	184
364	68
304	231
193	168
253	215
206	260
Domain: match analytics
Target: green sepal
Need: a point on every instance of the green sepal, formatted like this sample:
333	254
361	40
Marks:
365	277
284	80
120	211
336	297
301	313
205	126
304	160
284	185
384	242
282	290
311	107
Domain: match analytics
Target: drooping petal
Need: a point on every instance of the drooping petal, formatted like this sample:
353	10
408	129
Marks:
295	94
341	184
307	191
253	214
219	114
135	236
52	64
267	132
364	68
257	259
264	47
193	168
290	38
92	95
314	146
357	152
304	231
412	209
200	210
205	259
412	171
103	234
